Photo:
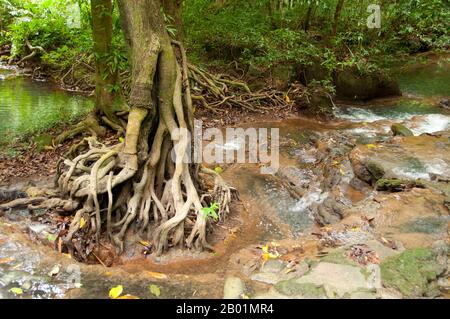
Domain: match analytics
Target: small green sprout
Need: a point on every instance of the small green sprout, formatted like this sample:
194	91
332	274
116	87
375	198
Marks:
211	211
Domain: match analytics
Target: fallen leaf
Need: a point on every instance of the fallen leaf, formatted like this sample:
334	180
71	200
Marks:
6	260
218	170
82	222
127	297
287	99
16	291
144	243
115	292
157	275
371	146
155	290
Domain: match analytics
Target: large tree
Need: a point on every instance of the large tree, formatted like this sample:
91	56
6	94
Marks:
106	75
136	182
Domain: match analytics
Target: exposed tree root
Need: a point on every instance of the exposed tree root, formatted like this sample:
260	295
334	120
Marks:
215	92
34	50
143	184
89	124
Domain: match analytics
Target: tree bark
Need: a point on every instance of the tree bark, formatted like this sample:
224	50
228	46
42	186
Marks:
174	9
337	14
138	182
105	77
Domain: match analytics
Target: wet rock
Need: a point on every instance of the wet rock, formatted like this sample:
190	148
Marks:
401	130
7	195
273	266
413	273
233	289
363	295
414	218
340	279
445	103
329	212
375	170
387	293
272	294
319	104
405	158
426	225
339	256
396	185
352	84
381	250
266	277
305	290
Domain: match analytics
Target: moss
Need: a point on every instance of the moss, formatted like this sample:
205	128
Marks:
414	164
412	272
401	130
396	185
351	83
42	141
375	170
339	256
428	225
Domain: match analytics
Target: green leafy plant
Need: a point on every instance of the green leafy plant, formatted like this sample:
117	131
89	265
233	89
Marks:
211	211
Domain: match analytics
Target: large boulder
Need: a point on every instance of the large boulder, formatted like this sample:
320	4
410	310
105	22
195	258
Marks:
414	272
407	158
352	84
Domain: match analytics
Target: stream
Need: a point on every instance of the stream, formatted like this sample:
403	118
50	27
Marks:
315	205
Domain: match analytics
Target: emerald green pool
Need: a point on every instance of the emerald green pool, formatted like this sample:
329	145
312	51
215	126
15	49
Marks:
28	106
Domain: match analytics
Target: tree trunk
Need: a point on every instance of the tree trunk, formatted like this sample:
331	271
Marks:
337	14
174	9
308	17
105	77
137	182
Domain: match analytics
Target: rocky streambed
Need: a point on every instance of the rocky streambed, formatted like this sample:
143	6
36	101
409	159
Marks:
353	212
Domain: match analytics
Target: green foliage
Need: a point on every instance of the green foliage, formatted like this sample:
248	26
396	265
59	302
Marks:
270	32
211	211
45	23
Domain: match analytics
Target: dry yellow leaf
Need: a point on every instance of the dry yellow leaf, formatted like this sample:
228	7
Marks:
82	222
115	292
6	260
16	291
127	297
156	275
144	243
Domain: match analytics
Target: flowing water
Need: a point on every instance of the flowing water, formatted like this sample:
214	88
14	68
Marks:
270	212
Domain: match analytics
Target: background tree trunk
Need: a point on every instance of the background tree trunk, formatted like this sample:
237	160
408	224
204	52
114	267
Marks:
105	77
337	14
174	9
